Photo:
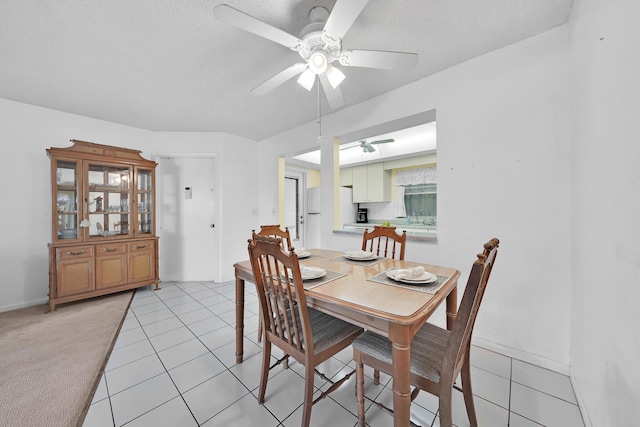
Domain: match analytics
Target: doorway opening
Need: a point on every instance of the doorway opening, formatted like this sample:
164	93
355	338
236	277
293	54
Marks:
294	205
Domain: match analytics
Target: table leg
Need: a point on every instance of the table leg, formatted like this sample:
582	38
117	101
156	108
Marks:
401	355
452	307
239	319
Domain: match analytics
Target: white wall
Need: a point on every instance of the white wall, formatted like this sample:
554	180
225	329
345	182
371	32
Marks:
503	171
605	349
26	133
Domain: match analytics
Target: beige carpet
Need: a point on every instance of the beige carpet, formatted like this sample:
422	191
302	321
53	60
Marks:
50	363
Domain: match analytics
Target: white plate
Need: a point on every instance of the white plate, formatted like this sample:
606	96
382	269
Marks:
359	255
310	273
425	279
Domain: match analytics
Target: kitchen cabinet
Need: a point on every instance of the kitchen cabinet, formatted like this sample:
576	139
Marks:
346	177
371	183
102	222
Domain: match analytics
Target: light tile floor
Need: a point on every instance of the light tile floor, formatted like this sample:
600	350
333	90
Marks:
173	364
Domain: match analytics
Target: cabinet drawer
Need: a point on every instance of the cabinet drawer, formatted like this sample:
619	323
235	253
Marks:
74	252
108	249
140	246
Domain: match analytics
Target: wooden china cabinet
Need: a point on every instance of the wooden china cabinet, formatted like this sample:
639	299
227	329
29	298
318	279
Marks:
103	222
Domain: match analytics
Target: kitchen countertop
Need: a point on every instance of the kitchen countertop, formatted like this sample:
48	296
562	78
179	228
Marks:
414	232
399	226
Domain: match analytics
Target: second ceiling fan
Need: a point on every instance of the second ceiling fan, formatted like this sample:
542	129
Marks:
319	45
367	147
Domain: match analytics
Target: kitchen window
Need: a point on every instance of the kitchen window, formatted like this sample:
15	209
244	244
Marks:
421	200
417	195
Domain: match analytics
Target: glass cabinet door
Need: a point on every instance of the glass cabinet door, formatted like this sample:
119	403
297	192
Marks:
65	197
109	200
145	202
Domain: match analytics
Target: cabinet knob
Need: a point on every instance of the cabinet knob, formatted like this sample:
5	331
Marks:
75	253
140	247
110	249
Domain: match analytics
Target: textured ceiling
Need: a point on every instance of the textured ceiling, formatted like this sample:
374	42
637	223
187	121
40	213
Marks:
170	65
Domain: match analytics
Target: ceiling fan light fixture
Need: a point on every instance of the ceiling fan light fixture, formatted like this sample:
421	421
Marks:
335	76
306	79
318	62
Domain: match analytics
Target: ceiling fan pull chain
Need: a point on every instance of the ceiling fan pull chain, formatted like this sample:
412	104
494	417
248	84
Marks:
319	116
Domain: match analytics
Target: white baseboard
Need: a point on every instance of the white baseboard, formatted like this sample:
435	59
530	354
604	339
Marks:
543	362
580	399
10	307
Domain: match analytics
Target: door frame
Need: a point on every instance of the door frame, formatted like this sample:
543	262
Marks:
301	176
216	188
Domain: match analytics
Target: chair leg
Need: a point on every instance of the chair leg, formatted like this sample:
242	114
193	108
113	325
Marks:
444	407
360	393
264	376
376	376
467	392
260	325
308	395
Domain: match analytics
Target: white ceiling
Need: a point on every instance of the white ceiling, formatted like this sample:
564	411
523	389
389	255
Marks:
170	65
408	141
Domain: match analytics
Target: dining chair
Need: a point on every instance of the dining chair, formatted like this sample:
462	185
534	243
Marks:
276	231
309	336
384	241
437	355
273	231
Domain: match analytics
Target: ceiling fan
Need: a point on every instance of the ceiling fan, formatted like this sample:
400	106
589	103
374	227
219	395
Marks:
319	45
367	146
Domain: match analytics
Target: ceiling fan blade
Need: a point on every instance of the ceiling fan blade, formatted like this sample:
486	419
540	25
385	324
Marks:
334	96
248	23
379	59
382	141
279	79
342	16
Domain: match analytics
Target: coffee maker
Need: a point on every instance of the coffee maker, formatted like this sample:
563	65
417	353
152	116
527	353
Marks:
361	215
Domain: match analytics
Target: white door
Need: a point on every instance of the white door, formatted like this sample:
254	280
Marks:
187	219
294	191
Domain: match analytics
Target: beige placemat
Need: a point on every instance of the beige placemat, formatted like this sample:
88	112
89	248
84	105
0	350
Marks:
331	275
431	288
367	263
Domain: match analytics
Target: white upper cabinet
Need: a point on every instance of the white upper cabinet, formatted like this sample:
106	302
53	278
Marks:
371	183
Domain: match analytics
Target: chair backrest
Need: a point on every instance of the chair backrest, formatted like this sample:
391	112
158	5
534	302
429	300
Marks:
460	337
281	293
385	240
276	231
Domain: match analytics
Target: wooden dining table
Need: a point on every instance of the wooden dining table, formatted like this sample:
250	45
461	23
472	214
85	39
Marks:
396	312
